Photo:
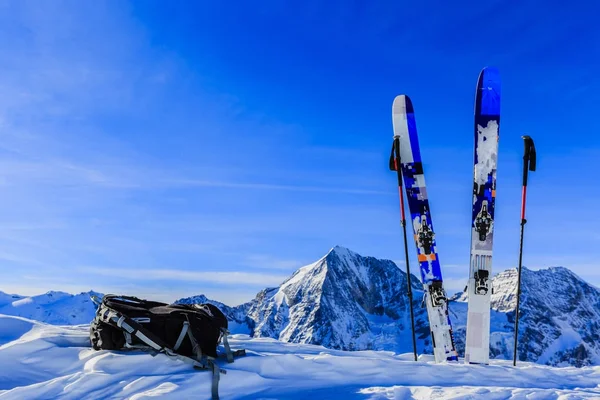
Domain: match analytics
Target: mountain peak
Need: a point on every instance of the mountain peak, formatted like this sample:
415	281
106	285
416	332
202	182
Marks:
563	270
337	301
341	251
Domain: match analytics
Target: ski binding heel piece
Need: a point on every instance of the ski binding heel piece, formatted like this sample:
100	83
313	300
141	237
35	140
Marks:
436	291
481	281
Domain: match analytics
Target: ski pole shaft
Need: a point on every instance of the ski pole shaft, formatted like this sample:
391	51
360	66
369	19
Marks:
398	168
523	200
529	164
518	294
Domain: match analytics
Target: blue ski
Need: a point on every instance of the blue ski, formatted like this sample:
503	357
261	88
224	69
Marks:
405	130
487	128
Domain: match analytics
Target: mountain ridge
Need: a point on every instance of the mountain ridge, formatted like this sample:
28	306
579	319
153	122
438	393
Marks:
351	302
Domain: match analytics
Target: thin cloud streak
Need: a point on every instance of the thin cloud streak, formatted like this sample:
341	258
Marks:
224	278
269	262
268	186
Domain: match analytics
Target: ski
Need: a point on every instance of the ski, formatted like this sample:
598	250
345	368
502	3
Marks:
487	128
405	134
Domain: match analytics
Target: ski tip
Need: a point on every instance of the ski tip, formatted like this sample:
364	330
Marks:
490	75
487	99
490	72
490	68
402	105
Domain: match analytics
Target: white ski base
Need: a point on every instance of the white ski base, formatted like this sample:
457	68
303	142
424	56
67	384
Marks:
440	330
477	344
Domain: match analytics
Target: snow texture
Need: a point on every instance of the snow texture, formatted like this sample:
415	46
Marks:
52	307
56	362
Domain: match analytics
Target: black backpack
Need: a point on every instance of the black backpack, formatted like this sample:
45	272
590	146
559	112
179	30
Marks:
190	332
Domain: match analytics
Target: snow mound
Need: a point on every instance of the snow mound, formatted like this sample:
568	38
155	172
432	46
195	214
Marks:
12	328
56	362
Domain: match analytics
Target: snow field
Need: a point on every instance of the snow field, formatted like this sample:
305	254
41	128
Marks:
40	361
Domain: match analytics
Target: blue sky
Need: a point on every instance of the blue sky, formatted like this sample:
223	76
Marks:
170	149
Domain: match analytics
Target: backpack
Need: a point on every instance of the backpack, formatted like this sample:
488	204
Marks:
189	332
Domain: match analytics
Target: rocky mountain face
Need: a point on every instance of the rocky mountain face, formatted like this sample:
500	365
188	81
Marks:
343	301
347	301
559	317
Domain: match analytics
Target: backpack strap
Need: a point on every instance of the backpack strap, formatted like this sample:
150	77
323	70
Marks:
121	321
215	381
228	353
182	335
128	339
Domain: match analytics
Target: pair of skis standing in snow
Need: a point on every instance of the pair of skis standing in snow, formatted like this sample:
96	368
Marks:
406	160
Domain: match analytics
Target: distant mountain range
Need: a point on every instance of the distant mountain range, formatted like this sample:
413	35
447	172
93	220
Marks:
56	308
350	302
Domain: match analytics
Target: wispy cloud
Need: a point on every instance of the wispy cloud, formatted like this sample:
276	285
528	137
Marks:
218	277
264	261
268	186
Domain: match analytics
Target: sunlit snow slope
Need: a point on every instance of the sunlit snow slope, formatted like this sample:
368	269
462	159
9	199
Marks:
40	361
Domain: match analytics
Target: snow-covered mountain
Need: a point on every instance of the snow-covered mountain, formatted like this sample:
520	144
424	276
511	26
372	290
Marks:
560	317
347	301
350	302
342	301
57	308
6	298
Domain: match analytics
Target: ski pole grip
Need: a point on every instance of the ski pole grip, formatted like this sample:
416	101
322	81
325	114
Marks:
395	160
529	157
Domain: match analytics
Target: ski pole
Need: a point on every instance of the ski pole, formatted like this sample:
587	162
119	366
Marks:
395	166
529	161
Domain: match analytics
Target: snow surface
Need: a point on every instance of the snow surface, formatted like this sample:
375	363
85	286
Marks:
52	307
41	361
